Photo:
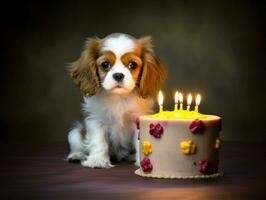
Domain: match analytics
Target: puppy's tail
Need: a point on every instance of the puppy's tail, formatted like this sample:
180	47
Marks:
75	138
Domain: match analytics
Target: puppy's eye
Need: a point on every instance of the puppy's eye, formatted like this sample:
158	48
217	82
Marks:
106	65
132	65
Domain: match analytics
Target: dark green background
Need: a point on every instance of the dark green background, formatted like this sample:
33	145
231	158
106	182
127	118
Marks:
214	48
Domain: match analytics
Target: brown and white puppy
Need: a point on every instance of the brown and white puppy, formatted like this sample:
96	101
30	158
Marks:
119	76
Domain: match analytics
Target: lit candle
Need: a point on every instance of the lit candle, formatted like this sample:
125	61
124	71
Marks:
198	98
160	101
189	101
180	98
176	100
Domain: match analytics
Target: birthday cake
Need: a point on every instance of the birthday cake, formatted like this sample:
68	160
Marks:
181	144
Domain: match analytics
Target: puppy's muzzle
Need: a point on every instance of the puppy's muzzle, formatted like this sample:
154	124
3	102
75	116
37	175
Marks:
118	77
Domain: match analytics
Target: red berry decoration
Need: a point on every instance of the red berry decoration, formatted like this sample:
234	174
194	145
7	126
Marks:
146	165
156	130
196	126
137	123
203	166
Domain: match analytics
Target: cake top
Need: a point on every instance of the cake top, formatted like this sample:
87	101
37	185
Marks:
173	118
179	114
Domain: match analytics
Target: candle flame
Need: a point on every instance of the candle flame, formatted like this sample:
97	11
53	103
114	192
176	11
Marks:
160	98
198	99
189	99
176	96
180	97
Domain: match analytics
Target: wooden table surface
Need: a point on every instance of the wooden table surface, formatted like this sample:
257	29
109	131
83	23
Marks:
40	172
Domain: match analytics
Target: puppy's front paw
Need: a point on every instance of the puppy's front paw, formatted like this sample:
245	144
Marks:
96	161
76	157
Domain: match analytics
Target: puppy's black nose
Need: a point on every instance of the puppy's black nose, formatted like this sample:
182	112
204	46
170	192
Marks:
118	76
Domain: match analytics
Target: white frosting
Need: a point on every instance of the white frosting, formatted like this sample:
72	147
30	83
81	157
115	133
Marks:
168	160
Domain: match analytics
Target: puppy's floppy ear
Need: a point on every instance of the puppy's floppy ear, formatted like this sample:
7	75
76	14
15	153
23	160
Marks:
84	71
153	71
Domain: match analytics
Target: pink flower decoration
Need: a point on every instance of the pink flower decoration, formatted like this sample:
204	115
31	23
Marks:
203	166
146	165
156	130
137	123
196	126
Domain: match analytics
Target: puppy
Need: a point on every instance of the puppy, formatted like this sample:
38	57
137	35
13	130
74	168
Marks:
119	76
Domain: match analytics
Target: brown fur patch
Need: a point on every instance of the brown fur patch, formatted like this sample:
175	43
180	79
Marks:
127	58
153	73
106	56
84	71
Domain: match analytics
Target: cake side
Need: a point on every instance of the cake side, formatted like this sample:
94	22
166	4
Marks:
179	147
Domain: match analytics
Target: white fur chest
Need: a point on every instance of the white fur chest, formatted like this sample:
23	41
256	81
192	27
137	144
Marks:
119	123
117	114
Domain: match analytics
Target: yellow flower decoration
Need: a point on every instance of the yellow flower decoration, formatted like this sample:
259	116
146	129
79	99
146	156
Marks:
188	147
217	144
146	147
